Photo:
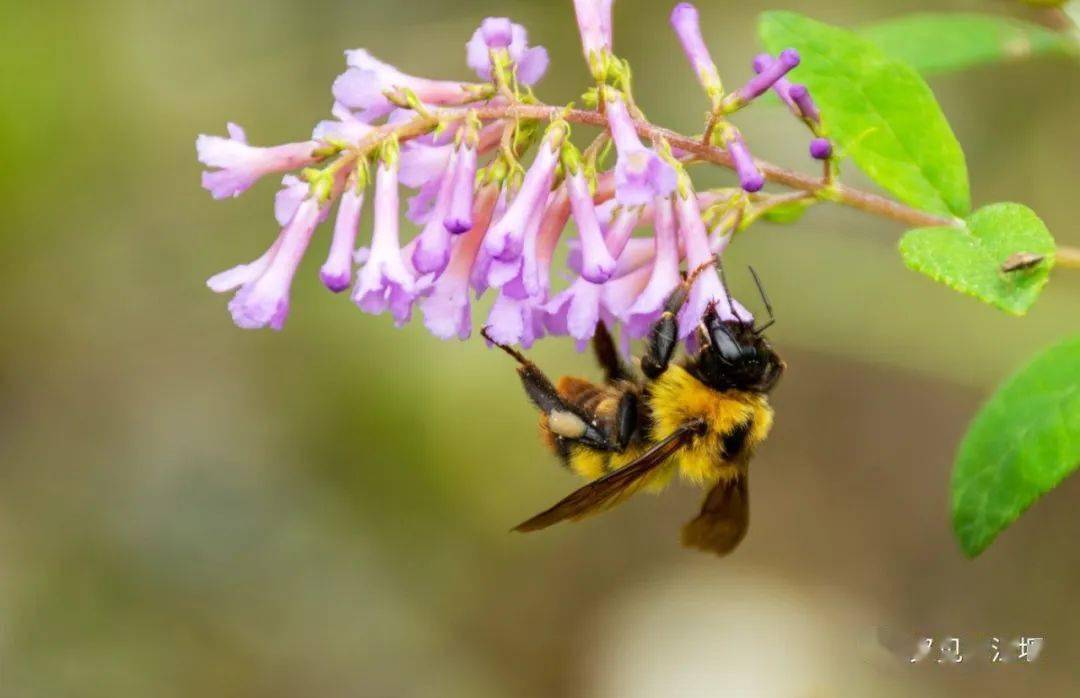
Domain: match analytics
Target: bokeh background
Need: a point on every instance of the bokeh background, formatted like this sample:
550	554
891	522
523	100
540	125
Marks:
190	509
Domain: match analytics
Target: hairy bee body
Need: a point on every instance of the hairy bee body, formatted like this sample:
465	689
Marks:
700	419
673	399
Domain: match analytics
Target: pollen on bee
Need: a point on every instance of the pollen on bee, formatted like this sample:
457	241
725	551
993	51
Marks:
566	424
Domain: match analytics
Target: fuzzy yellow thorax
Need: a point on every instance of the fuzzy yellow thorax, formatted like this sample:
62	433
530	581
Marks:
676	397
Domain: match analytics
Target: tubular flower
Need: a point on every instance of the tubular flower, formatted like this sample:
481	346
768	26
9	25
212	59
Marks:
769	75
594	26
264	302
499	33
708	288
687	26
617	297
577	310
664	276
240	165
446	307
364	86
750	176
459	214
506	238
640	174
432	251
597	264
336	273
293	191
515	321
475	223
797	97
343	127
420	164
807	109
621	228
422	204
384	281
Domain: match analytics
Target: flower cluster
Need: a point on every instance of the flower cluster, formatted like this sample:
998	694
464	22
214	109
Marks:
484	221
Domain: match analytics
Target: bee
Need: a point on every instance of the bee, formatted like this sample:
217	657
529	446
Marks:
700	417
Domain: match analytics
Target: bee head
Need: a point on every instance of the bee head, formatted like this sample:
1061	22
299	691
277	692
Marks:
735	356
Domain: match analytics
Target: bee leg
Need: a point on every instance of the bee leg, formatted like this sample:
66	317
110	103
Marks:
660	346
563	419
664	335
607	356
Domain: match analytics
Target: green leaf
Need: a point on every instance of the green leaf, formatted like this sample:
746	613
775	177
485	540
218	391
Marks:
938	42
969	259
879	110
788	212
1021	445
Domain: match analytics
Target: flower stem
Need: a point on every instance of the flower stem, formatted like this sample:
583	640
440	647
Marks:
868	202
839	193
1067	257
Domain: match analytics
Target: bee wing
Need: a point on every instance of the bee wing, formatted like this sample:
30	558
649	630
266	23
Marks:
607	490
724	517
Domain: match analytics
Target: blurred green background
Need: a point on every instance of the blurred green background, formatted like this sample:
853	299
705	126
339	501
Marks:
190	509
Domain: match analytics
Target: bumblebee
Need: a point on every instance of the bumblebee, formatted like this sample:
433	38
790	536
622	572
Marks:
700	417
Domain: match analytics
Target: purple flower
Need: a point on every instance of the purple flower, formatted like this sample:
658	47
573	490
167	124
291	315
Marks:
336	273
622	293
364	84
501	273
640	174
663	278
500	33
639	252
767	77
423	203
575	311
287	199
241	274
241	165
497	32
421	163
427	167
344	127
505	239
446	307
619	232
578	309
594	25
685	22
521	277
597	264
750	176
536	269
264	302
478	277
797	97
805	103
515	321
432	251
384	281
821	149
707	290
459	214
617	297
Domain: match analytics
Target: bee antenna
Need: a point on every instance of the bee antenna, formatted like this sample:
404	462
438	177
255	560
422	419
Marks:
727	291
765	300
